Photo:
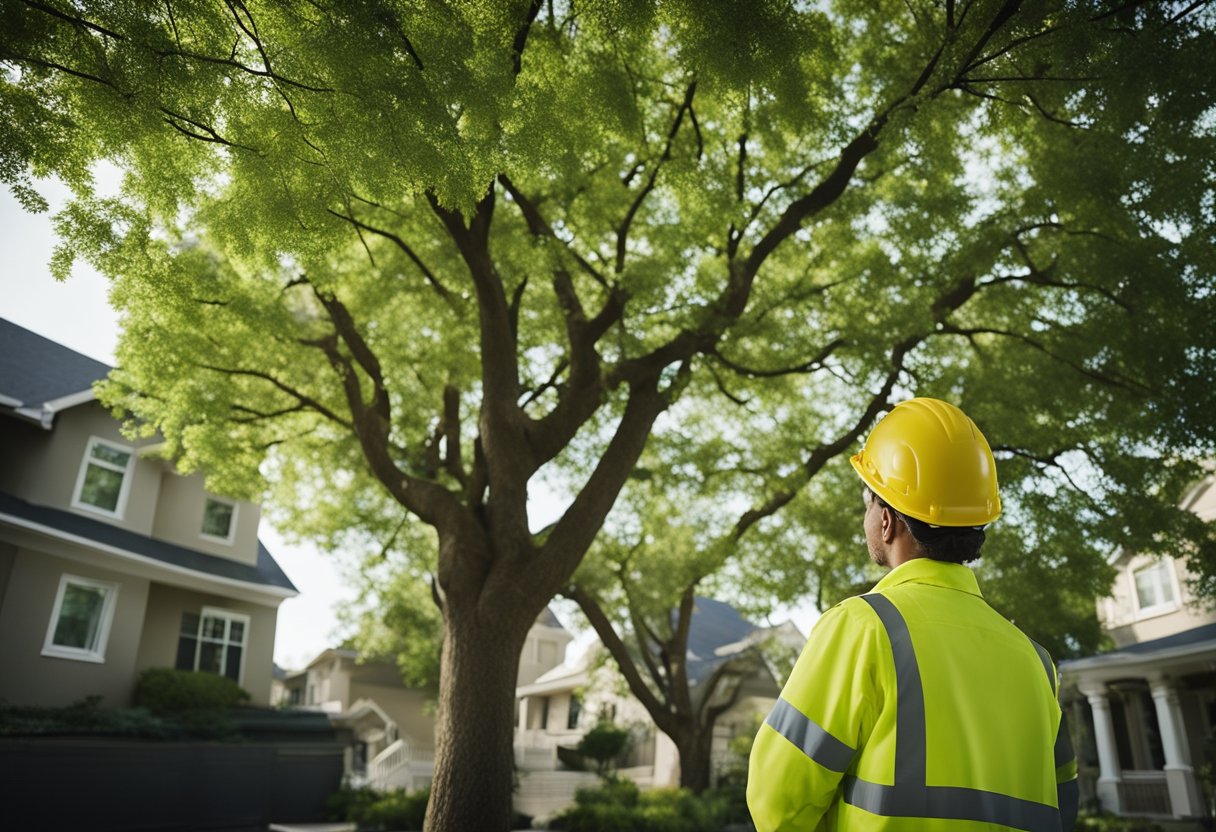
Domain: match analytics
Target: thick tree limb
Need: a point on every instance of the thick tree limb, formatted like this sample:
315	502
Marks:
620	653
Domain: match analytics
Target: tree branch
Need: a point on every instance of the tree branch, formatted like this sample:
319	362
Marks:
434	281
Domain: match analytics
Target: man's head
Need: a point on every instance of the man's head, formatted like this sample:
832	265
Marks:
930	484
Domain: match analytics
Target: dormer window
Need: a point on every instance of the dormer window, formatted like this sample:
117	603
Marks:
104	478
1155	587
219	520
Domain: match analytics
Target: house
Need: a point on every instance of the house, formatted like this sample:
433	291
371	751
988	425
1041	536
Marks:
1143	714
393	725
559	707
110	562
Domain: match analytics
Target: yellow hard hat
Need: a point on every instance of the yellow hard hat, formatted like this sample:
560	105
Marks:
927	460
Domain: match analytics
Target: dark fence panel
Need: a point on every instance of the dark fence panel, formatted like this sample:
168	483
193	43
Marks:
110	784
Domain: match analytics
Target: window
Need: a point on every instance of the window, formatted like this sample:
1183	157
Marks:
547	653
544	712
103	482
219	520
213	642
80	619
576	709
1154	586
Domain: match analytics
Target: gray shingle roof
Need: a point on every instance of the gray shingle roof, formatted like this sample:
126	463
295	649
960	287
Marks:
35	370
714	624
266	573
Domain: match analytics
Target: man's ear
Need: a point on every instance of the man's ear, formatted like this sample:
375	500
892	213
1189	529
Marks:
889	527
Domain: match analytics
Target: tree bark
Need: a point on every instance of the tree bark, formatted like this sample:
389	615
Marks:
695	749
474	760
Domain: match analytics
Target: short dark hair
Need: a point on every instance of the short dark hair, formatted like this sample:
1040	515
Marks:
951	544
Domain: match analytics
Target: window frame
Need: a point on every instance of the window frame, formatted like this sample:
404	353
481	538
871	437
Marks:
124	490
230	616
109	605
227	541
1165	565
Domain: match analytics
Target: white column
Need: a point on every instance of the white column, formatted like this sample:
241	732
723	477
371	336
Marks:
1109	775
1185	796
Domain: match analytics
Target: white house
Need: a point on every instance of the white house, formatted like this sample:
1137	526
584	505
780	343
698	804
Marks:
1143	714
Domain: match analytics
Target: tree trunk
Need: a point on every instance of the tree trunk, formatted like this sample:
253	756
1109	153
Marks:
474	760
695	747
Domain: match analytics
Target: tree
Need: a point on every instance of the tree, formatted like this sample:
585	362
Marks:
409	258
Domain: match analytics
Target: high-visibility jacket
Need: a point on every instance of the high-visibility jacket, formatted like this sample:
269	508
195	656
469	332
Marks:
916	707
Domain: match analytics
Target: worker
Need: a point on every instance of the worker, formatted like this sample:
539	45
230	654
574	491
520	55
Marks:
917	706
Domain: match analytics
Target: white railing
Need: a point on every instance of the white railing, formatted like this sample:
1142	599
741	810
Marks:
1144	793
402	766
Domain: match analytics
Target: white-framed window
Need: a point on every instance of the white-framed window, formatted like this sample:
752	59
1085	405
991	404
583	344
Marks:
104	478
219	520
1154	585
213	641
81	618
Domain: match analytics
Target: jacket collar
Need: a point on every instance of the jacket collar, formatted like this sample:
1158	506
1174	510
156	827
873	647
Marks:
934	572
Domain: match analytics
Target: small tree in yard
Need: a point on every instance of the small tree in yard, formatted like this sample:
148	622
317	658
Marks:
407	260
603	744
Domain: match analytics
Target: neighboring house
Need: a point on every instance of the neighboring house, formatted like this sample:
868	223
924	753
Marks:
1143	714
556	710
110	562
392	725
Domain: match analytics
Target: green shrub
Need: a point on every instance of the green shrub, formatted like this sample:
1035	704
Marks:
396	810
1103	822
83	718
603	744
374	810
349	804
620	807
163	690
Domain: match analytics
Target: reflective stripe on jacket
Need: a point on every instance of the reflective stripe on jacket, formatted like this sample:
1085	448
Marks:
916	707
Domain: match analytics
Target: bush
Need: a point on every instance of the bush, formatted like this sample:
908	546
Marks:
603	744
1103	822
83	718
163	690
620	807
373	810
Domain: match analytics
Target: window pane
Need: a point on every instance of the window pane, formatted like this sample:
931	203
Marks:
209	657
111	455
1153	585
190	624
101	487
213	627
236	632
79	617
185	652
217	518
232	667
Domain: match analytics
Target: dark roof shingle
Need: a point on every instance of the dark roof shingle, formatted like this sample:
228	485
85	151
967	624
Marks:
35	370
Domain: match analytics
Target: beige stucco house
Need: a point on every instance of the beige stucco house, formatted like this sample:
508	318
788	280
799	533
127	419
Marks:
110	562
1142	714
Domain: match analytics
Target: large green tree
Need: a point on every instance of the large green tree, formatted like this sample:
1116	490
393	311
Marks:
408	258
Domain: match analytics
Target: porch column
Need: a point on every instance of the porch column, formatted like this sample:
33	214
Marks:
1109	773
1186	800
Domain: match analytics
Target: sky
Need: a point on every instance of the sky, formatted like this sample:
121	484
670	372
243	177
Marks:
77	314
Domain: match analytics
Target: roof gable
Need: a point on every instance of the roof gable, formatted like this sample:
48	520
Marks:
35	371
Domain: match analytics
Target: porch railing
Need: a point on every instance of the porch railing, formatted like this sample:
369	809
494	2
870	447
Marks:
1144	793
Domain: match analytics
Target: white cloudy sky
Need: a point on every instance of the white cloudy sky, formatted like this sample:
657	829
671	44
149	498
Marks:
77	314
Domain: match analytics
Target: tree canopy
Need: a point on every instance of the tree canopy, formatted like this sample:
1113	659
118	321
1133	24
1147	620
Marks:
412	258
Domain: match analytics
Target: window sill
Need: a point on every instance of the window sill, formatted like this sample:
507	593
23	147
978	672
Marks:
210	538
73	654
1156	612
91	509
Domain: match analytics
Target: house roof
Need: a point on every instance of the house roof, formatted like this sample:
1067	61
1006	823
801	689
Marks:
266	573
716	634
39	376
1172	650
548	619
